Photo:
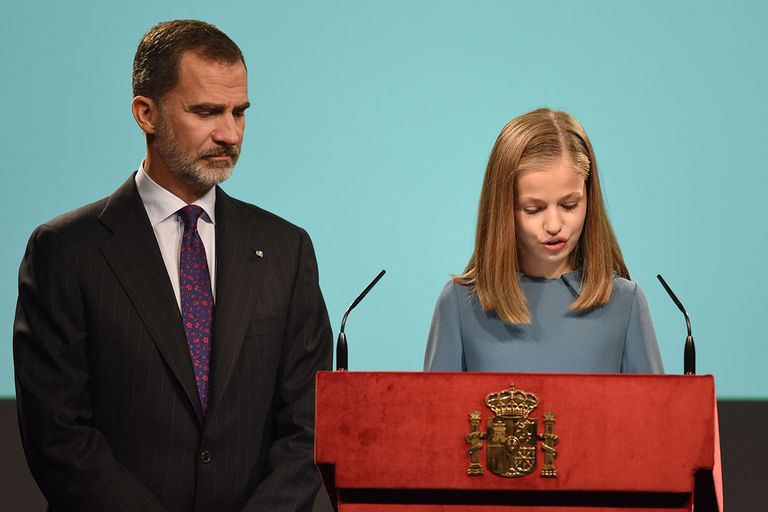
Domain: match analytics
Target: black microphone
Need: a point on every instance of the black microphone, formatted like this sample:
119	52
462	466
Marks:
689	357
341	344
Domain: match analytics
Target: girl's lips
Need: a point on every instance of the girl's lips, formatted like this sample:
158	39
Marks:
554	245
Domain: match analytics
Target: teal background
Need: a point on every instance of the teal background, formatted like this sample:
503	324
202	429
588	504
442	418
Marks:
371	125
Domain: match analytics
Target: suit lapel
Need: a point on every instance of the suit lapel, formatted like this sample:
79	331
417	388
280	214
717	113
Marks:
134	256
236	240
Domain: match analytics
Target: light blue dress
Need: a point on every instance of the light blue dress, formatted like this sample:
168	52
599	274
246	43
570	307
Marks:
615	338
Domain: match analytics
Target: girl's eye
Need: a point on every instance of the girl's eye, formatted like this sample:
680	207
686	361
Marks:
531	210
570	206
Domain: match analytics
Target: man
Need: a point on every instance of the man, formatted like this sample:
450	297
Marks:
167	337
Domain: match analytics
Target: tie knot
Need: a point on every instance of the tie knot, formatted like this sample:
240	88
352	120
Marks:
189	214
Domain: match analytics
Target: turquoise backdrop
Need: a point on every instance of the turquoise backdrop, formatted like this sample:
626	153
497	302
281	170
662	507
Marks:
371	125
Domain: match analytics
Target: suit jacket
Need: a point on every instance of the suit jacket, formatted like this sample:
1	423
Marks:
108	407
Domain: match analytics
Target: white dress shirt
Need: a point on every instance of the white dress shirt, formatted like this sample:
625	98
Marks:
162	207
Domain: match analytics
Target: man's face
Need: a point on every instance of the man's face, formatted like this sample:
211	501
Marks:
201	121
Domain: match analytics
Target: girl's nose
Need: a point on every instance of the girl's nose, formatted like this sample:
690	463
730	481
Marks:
553	223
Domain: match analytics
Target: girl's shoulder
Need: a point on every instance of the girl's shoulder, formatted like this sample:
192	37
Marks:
625	286
625	291
455	291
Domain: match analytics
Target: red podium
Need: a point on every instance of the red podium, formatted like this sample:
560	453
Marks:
575	443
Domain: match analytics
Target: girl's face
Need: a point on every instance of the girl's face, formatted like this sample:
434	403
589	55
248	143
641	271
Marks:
550	206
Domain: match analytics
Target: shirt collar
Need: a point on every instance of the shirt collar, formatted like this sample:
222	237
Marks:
161	204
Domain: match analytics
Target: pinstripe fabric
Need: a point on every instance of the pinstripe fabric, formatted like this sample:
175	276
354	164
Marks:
106	393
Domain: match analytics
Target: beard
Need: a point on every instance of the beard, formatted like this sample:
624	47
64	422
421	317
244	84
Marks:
194	169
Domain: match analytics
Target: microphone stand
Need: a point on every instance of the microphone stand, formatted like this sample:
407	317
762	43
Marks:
689	356
341	343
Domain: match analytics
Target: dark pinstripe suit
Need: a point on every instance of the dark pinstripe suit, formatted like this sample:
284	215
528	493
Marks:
108	407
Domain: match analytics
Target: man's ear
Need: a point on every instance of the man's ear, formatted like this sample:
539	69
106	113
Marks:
145	111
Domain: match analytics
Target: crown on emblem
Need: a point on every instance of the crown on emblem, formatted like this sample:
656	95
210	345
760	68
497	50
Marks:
511	402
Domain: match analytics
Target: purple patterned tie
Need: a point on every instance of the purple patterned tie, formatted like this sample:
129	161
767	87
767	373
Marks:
196	299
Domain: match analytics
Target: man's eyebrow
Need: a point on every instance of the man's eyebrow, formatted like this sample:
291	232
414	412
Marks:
205	107
215	107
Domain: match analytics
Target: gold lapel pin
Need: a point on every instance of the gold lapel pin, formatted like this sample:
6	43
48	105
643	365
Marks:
258	253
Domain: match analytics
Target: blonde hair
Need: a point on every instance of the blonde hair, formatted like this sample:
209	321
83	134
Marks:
532	140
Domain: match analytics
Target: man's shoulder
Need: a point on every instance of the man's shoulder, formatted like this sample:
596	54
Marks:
77	220
262	217
69	233
87	216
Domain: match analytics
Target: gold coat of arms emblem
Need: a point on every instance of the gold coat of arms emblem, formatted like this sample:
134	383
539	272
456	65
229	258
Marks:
512	436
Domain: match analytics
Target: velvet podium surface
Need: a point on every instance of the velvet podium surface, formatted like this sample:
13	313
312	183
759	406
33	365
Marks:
398	441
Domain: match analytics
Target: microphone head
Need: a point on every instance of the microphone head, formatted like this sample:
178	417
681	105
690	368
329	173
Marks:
689	357
341	352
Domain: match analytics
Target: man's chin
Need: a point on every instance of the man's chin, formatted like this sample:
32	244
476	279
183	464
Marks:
209	177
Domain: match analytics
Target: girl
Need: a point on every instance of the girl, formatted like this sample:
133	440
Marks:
546	289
